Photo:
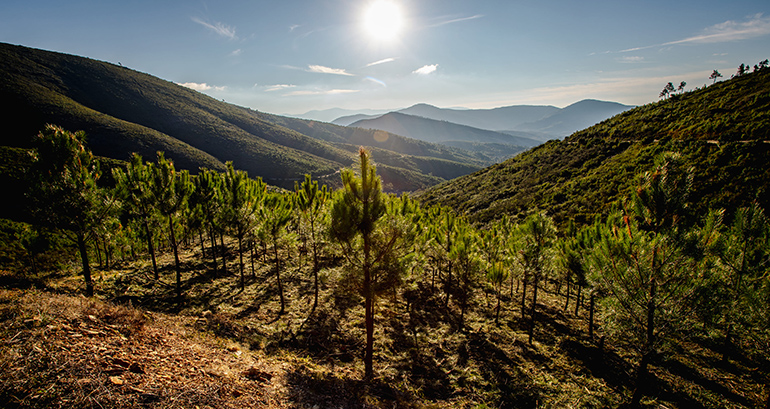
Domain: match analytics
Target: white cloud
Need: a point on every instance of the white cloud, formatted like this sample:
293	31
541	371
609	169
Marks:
219	28
383	61
326	70
755	26
320	92
631	59
293	27
236	53
426	69
278	87
201	86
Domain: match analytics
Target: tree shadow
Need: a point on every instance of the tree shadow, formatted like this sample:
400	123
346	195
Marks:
516	388
327	390
692	375
601	363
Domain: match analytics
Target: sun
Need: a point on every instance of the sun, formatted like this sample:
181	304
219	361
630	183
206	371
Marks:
383	20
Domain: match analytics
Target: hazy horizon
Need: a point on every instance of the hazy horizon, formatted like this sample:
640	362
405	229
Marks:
294	57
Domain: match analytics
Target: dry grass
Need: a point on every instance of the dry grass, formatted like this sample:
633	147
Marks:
218	346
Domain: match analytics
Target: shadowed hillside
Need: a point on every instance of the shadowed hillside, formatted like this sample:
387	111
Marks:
124	111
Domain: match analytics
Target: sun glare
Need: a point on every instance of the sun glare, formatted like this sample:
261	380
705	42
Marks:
383	20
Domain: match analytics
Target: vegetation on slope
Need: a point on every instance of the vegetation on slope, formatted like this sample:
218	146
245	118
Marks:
415	306
124	111
722	131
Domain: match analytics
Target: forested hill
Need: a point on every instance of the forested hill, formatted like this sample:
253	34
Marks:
124	111
722	131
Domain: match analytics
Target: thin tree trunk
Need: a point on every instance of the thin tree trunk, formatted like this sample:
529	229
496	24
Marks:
524	296
240	258
98	252
641	376
151	248
251	248
213	248
533	310
578	299
224	252
368	312
315	265
278	276
86	267
177	267
591	307
497	312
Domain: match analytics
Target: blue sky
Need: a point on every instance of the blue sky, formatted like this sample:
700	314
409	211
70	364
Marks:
293	56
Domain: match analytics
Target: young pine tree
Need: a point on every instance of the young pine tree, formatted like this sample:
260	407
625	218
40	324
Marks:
373	236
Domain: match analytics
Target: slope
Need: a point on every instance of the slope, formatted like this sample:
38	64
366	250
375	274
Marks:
125	111
722	131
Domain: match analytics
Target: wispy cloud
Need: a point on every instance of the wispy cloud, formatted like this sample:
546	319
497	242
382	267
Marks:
293	27
326	70
278	87
320	92
449	20
201	86
426	69
219	28
754	26
631	59
236	53
383	61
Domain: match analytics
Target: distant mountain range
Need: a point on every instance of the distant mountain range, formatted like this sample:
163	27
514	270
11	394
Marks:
124	111
530	121
721	132
494	144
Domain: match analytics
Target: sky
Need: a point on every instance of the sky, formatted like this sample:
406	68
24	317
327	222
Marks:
294	56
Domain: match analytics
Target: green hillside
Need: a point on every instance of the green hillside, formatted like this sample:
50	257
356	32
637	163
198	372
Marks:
124	111
723	131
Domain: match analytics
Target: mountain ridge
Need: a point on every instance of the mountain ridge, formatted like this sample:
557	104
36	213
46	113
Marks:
123	111
722	133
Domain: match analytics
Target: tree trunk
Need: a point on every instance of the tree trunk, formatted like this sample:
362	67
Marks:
251	248
448	287
315	266
151	248
98	252
177	267
368	312
591	306
641	376
213	249
578	299
86	267
524	296
278	276
533	311
240	258
224	252
497	312
641	380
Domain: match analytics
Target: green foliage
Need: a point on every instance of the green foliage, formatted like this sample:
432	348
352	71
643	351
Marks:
125	111
719	131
